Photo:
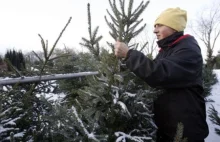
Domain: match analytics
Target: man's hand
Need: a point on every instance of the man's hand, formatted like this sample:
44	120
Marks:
121	49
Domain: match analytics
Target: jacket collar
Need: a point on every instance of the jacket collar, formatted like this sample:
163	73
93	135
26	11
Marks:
166	42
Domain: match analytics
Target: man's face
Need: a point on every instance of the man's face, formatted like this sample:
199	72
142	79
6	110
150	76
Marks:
163	31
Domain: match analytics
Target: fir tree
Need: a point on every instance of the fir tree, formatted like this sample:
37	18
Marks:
16	59
214	117
116	99
81	62
22	110
3	67
115	105
217	61
11	112
209	79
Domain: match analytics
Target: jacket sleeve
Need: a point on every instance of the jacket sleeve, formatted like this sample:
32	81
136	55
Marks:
182	68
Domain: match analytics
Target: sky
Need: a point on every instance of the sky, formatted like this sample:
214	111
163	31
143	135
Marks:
23	20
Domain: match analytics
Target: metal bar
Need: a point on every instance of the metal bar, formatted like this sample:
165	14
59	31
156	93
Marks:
9	81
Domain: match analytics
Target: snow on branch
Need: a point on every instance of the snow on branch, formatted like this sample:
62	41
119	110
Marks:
122	137
89	135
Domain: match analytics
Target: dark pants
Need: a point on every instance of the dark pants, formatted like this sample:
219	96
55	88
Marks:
163	138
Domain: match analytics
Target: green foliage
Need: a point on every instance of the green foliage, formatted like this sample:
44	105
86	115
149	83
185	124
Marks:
22	110
115	102
81	62
214	117
93	42
209	79
11	108
123	25
3	67
1	60
217	64
16	59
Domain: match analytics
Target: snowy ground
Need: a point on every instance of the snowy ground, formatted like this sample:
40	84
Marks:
213	137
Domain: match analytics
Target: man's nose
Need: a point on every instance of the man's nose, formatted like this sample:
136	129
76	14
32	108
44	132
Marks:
155	30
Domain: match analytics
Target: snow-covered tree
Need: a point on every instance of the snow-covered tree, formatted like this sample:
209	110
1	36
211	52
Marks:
22	110
118	104
115	105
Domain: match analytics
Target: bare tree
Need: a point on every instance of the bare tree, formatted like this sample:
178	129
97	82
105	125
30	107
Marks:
150	49
207	29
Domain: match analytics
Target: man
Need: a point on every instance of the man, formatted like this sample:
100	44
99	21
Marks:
177	69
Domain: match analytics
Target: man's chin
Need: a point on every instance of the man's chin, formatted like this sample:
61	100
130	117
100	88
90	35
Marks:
158	38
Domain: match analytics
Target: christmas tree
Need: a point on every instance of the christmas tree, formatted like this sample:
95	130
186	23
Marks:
115	105
22	105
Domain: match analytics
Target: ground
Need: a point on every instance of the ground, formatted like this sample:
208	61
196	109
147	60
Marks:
213	137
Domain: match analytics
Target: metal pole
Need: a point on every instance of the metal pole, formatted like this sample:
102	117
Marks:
9	81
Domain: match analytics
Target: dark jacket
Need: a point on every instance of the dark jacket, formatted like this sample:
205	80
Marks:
177	69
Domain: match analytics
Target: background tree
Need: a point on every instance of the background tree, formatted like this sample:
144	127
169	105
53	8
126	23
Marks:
207	29
217	61
151	48
209	79
73	63
3	67
16	58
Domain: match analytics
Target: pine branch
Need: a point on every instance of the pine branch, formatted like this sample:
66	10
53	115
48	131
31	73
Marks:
38	57
114	32
138	13
122	5
89	135
131	29
213	115
123	137
138	8
61	56
13	67
89	21
130	8
86	41
95	34
144	45
112	18
51	51
139	30
93	43
115	10
43	46
97	42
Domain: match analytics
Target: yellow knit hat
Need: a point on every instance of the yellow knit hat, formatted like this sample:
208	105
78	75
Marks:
174	18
